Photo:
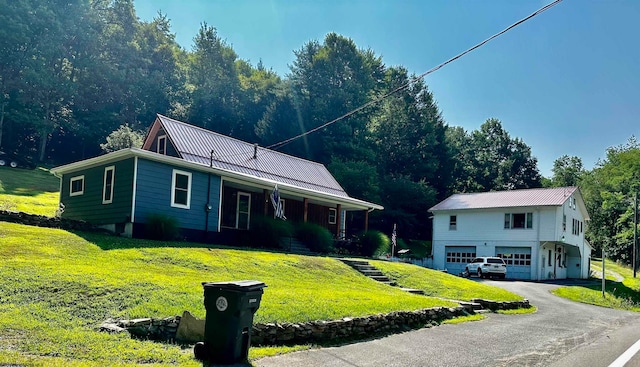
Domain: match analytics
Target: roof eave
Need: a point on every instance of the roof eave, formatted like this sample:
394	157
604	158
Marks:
349	202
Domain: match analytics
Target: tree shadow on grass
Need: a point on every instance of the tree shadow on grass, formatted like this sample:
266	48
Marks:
22	182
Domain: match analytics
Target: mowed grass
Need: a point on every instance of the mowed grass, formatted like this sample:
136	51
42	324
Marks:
29	191
439	284
623	295
56	287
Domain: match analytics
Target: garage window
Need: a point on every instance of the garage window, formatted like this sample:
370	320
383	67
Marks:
460	257
516	259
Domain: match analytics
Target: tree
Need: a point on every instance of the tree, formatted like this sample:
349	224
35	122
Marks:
123	137
567	171
495	160
608	191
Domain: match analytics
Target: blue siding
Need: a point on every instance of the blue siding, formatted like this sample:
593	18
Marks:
153	196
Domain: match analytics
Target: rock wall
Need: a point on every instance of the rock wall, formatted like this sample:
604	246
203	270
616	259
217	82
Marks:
49	222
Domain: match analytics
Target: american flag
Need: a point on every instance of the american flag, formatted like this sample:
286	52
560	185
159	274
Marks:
393	240
277	204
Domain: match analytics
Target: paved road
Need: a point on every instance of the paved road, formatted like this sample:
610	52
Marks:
561	333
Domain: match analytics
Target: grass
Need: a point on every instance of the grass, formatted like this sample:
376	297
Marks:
57	287
623	295
459	320
439	284
519	311
33	192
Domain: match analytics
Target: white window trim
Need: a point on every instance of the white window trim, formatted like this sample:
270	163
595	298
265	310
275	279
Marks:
173	189
161	137
238	209
335	215
71	180
104	184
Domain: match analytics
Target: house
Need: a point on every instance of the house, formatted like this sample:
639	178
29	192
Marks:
211	183
538	232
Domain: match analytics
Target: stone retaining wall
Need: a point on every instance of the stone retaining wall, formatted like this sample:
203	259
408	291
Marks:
49	222
314	331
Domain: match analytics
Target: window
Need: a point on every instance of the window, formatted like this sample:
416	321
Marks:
181	189
107	187
518	220
564	222
453	219
161	147
243	210
76	186
516	259
333	214
461	257
549	257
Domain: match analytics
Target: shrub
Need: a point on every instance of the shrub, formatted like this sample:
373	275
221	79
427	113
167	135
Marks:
161	227
267	232
374	243
315	237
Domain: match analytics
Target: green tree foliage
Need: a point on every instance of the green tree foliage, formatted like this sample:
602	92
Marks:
489	159
123	137
567	171
608	191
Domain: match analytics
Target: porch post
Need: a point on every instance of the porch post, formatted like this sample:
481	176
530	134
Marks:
305	215
266	202
338	220
366	220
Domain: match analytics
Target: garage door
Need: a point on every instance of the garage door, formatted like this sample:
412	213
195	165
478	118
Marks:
518	260
457	258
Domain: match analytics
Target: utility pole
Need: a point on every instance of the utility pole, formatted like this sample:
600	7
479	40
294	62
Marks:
635	230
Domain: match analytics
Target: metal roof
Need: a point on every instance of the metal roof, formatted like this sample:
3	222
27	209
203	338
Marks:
194	144
555	196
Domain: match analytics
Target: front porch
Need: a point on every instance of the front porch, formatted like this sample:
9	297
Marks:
240	203
561	260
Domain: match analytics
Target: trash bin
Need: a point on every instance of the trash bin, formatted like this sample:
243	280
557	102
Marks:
227	331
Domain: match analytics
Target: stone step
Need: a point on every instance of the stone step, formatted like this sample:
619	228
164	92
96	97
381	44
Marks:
371	272
354	263
471	305
380	278
414	291
364	267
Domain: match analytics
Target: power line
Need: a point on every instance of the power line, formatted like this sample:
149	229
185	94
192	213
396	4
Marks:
404	86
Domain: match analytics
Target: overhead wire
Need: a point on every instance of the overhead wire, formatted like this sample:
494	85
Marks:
415	79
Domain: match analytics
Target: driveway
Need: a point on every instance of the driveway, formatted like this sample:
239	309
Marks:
559	329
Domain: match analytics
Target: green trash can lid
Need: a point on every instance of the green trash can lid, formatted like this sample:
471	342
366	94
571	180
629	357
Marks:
239	285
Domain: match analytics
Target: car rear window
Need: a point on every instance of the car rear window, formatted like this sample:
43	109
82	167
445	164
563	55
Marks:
495	261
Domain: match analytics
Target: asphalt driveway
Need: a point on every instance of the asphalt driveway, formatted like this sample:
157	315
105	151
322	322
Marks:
558	329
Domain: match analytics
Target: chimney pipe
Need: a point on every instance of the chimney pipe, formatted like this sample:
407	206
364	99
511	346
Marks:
255	150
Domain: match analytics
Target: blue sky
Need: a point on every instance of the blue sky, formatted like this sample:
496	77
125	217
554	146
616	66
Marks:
566	81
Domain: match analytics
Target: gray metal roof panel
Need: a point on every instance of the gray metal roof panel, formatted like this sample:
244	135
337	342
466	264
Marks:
195	144
507	199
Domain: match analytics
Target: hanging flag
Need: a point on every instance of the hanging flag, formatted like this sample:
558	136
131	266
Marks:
393	240
277	204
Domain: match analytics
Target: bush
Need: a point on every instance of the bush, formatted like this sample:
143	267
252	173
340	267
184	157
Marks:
161	227
267	231
374	243
315	237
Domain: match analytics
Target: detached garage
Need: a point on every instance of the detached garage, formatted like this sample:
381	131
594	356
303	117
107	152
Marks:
539	233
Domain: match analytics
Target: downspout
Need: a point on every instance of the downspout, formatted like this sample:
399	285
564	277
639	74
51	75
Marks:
208	207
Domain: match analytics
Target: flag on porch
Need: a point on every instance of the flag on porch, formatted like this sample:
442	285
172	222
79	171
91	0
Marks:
277	204
393	240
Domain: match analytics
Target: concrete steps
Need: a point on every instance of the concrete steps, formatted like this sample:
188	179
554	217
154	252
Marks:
292	245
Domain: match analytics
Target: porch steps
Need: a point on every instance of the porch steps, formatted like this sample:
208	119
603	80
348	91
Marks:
292	245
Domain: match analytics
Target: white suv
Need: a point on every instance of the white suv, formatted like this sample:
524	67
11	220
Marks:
487	267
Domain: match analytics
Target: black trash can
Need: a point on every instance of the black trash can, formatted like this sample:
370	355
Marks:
227	332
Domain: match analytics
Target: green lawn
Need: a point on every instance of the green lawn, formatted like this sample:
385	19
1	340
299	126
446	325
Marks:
29	191
623	295
57	287
439	284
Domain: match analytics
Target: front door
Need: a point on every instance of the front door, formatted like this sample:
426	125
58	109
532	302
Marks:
243	210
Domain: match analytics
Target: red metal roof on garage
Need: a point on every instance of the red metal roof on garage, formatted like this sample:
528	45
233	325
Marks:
507	199
194	144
